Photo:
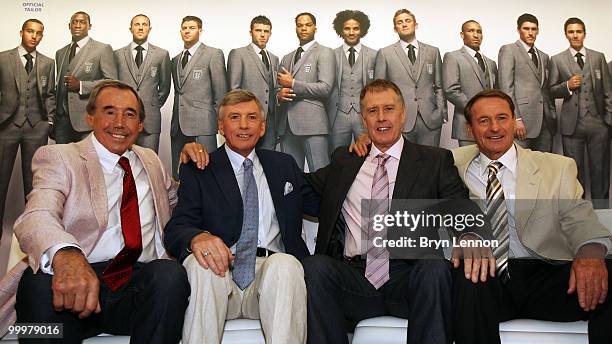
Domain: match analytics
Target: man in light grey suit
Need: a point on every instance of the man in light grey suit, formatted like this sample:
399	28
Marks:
254	68
147	69
354	69
306	80
198	75
466	72
27	105
80	65
581	78
416	68
523	76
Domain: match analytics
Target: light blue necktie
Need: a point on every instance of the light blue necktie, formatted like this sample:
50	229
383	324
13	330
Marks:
246	247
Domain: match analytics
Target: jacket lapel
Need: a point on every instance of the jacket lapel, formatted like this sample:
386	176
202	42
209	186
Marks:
190	63
80	57
96	181
127	54
276	184
588	64
340	60
16	60
420	60
146	63
409	167
527	60
401	55
470	60
257	61
224	174
305	55
527	185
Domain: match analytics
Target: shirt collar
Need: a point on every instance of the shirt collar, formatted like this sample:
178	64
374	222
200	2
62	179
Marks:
145	45
508	160
527	47
236	159
82	42
346	47
307	46
471	51
395	151
22	51
108	159
574	51
257	49
193	49
414	42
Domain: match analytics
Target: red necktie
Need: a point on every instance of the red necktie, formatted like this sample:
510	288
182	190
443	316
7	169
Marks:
118	272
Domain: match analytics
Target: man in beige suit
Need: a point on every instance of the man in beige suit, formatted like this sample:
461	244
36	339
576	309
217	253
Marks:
92	232
549	264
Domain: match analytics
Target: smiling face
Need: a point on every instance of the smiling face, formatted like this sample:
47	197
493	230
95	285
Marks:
305	29
79	26
242	125
472	35
528	32
492	125
405	26
140	28
384	117
575	35
260	34
351	32
116	119
31	35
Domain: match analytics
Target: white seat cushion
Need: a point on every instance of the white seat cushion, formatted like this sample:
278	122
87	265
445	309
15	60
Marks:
243	331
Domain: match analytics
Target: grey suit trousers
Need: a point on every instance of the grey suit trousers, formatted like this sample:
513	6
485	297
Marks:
347	126
422	135
312	147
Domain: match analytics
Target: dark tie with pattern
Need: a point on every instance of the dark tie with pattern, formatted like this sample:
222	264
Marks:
377	258
138	60
351	56
185	59
580	60
298	55
498	215
118	272
29	63
411	54
264	59
73	49
246	247
480	62
534	56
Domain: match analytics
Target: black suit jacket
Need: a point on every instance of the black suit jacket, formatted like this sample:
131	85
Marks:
424	173
210	200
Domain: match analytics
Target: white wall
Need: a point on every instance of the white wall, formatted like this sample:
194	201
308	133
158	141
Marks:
226	26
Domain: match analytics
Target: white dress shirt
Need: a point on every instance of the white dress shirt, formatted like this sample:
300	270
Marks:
346	47
192	52
582	51
473	52
268	232
145	47
111	241
258	51
21	51
361	189
415	43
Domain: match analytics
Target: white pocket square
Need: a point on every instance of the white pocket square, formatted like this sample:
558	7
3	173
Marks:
288	188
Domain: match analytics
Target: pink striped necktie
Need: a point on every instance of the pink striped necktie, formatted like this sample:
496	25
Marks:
377	258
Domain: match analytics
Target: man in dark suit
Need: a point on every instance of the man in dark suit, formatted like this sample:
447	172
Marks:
254	68
80	66
580	77
343	285
198	74
245	209
466	72
416	68
354	69
147	69
27	105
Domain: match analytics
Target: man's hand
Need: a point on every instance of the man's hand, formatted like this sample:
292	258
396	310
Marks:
360	147
520	132
285	78
477	261
574	82
72	84
211	252
589	276
75	285
194	151
285	95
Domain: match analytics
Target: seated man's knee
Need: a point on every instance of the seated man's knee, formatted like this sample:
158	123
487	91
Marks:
317	264
284	265
434	270
34	296
167	276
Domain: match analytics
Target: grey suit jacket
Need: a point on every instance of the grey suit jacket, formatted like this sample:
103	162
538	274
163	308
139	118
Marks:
562	67
528	87
152	81
10	61
367	59
198	93
421	84
463	78
93	62
246	70
313	77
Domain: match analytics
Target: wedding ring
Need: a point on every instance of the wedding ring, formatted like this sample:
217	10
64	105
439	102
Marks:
206	253
200	151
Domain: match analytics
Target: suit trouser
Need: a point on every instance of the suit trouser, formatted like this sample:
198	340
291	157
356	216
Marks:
29	138
536	290
419	290
591	132
64	132
313	147
277	296
465	143
149	307
270	138
148	140
543	142
422	135
178	141
346	126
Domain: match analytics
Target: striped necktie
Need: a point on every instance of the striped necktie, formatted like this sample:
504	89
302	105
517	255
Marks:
498	215
246	247
377	258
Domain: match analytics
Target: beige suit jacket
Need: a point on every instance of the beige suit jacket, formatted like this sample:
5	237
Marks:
552	218
68	204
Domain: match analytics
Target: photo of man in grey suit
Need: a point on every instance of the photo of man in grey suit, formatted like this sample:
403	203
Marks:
523	76
27	105
80	65
416	68
306	79
354	69
466	72
581	78
147	69
254	68
198	75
